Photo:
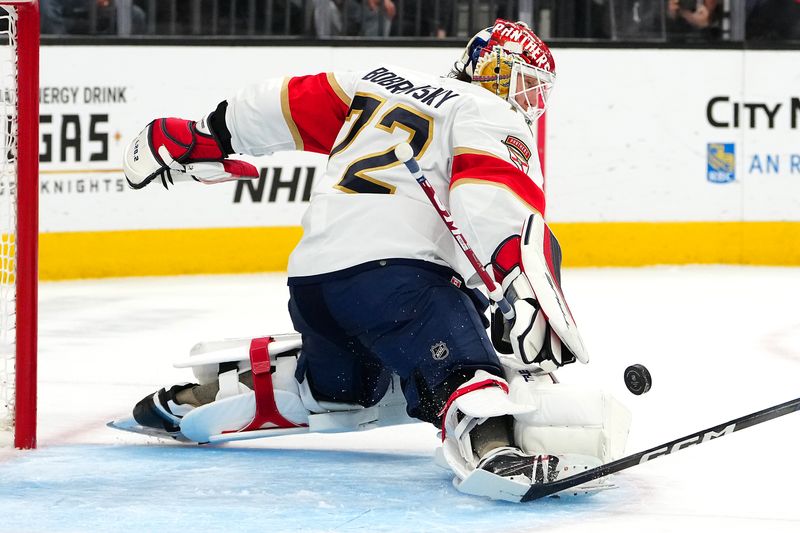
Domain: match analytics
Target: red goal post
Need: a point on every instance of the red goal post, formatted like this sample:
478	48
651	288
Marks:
19	217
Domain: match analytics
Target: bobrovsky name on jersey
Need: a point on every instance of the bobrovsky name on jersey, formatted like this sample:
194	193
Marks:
396	84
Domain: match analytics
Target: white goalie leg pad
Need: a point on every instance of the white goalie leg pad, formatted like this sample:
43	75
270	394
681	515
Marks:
484	396
274	403
287	407
569	419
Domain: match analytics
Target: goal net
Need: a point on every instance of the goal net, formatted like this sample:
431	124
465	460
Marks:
19	148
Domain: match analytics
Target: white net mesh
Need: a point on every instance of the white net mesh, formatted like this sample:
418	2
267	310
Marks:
8	212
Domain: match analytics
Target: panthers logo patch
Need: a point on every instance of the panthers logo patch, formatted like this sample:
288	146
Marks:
519	152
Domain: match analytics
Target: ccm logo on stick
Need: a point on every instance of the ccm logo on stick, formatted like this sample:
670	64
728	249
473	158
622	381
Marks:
705	437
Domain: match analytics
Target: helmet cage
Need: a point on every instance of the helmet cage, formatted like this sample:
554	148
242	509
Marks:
529	89
510	77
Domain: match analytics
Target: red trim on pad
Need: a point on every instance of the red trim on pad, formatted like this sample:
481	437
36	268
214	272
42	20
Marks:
461	391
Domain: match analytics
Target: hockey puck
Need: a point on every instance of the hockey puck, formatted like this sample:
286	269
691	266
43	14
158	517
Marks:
637	379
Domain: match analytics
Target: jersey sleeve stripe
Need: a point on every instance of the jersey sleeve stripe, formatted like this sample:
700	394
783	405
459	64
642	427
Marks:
317	111
287	115
461	150
483	168
338	90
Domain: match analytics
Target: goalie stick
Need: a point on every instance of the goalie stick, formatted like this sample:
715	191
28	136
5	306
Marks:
405	155
548	489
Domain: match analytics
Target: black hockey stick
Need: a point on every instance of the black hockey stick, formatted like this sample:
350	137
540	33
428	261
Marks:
547	489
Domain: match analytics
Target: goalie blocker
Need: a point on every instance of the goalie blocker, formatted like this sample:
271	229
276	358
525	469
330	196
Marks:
248	388
173	149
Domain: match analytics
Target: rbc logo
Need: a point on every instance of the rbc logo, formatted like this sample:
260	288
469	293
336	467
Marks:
721	159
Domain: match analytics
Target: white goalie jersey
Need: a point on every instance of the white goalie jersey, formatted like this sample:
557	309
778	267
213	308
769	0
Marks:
474	148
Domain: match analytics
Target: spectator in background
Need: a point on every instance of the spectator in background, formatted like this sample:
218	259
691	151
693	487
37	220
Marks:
61	17
377	18
425	18
442	20
694	19
327	18
368	18
777	20
639	20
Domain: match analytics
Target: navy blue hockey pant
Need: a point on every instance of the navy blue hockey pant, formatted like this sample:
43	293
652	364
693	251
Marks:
400	316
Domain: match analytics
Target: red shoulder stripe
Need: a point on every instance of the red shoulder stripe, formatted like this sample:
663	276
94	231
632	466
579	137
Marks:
484	167
317	109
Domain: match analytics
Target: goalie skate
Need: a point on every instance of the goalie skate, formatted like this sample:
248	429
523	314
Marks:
155	415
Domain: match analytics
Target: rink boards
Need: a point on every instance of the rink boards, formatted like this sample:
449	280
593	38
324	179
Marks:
652	157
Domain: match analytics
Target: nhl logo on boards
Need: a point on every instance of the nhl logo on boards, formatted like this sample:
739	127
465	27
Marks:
440	351
519	152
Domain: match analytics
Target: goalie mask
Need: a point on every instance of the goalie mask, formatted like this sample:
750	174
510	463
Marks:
509	60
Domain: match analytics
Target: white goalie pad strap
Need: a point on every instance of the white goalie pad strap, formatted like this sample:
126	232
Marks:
229	385
484	396
330	417
208	172
537	261
316	406
570	419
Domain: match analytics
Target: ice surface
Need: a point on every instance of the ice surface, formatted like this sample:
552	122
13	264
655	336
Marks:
720	342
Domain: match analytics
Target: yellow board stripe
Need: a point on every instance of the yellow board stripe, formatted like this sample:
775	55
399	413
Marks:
238	250
165	252
679	243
